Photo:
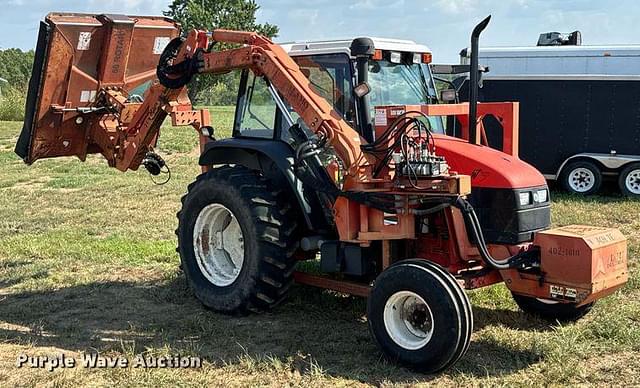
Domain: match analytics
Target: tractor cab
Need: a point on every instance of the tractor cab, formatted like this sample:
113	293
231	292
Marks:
398	73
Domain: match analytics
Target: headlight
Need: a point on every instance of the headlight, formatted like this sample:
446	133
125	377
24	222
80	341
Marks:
540	196
525	199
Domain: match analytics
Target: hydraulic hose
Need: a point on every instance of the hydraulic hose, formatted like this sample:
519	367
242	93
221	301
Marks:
470	215
315	177
175	76
308	149
431	210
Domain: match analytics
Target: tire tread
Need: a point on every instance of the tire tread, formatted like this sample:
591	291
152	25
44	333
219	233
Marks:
275	224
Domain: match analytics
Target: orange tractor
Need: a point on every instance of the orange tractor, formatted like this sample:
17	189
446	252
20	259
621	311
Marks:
339	154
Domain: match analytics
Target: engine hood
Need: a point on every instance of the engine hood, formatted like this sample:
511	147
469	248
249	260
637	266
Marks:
488	168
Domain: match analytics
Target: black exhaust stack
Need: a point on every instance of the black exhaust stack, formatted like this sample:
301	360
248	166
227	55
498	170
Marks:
475	78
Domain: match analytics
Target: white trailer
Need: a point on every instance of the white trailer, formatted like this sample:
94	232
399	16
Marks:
579	110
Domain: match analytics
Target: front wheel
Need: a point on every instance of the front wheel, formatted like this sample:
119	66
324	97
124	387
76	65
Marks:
551	310
629	180
419	316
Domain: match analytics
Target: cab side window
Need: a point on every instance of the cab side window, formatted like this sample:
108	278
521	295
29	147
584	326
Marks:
331	77
256	117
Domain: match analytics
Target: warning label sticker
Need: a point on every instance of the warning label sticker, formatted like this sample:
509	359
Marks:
160	44
87	96
381	117
84	41
559	292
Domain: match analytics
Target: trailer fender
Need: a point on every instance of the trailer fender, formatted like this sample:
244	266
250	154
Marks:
274	159
608	161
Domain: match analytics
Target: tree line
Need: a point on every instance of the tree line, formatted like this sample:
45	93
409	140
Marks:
209	15
15	67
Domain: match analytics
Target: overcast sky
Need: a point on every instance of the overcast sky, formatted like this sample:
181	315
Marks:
443	25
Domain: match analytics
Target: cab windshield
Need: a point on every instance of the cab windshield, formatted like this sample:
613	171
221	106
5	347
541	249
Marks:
402	84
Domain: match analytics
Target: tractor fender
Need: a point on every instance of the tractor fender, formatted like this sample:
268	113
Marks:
274	159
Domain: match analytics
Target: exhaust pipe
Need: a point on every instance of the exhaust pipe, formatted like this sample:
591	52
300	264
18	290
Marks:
475	79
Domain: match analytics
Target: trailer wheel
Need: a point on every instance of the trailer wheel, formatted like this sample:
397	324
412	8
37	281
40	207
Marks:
550	309
419	316
235	239
629	180
582	177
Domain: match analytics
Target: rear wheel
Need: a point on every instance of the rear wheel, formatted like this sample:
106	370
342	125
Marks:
581	177
236	240
420	316
551	309
629	180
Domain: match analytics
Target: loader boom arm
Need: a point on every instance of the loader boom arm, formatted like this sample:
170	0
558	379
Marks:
264	58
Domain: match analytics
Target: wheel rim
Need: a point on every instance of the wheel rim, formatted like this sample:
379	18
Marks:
632	181
582	180
218	245
408	320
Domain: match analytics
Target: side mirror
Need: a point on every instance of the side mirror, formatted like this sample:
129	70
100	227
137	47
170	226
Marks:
448	95
362	89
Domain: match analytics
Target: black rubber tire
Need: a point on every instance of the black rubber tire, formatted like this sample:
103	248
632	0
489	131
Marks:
569	168
623	177
268	225
462	299
563	312
453	320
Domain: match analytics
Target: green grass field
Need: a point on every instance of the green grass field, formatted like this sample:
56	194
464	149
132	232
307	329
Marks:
88	263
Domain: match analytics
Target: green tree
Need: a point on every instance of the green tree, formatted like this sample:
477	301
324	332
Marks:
209	15
15	67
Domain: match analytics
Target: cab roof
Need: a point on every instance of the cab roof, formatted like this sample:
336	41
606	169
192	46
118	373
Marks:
342	46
